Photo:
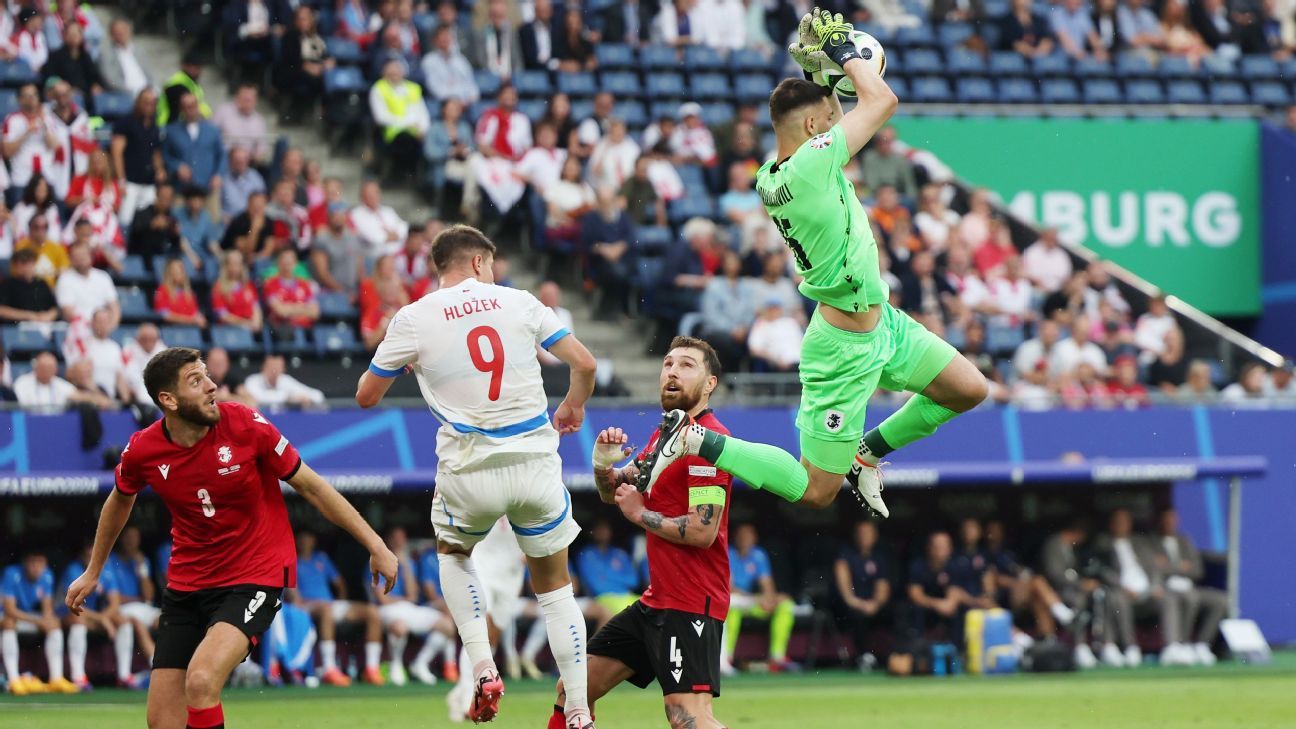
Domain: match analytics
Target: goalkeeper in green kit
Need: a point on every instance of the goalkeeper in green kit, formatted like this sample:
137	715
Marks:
855	342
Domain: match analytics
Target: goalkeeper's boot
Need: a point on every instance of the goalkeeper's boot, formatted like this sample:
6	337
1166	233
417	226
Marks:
486	698
675	437
865	479
580	721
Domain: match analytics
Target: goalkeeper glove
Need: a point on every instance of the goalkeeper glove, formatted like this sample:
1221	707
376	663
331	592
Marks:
834	37
606	455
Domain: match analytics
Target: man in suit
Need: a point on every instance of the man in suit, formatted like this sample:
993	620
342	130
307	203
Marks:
537	38
1065	561
1131	570
629	21
922	292
496	46
119	66
1179	561
192	150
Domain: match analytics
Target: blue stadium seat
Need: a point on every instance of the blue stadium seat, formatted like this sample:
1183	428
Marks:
1007	63
1092	68
753	89
1057	64
533	84
922	61
135	305
335	306
704	59
899	87
112	105
582	109
717	113
962	62
120	335
692	177
1228	92
339	339
1017	91
690	206
345	52
1270	93
997	8
1059	91
1176	67
632	113
975	91
1218	67
877	30
1145	91
748	59
183	336
298	345
487	83
134	273
235	340
16	73
658	58
662	109
622	84
1001	339
1101	91
24	341
424	23
614	56
930	90
665	86
651	240
954	34
956	337
1288	68
1259	68
648	273
1185	92
477	108
9	102
920	37
577	85
705	86
1133	65
344	80
533	109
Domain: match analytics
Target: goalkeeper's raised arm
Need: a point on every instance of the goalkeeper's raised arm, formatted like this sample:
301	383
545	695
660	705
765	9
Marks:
876	101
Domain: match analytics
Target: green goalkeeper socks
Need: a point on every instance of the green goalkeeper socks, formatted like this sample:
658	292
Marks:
759	465
915	420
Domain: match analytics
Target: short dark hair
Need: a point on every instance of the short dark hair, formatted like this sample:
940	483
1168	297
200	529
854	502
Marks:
163	371
24	255
709	356
459	241
792	94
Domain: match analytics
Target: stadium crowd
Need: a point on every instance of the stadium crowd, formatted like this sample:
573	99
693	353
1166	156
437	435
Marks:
1093	590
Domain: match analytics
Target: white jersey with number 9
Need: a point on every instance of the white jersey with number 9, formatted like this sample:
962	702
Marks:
473	349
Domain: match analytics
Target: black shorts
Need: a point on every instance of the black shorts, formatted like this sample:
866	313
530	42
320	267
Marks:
680	650
186	616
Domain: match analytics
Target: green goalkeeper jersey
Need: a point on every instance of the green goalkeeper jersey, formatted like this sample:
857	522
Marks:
815	208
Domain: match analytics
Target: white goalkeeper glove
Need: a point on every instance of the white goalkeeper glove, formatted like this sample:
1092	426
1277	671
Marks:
606	455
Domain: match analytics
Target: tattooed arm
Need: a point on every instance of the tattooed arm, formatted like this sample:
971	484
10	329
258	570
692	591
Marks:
696	528
610	447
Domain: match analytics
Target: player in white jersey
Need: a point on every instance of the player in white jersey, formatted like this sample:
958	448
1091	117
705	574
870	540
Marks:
472	346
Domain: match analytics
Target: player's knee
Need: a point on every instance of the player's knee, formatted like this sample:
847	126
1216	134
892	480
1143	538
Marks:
202	685
972	390
822	489
8	623
49	625
398	629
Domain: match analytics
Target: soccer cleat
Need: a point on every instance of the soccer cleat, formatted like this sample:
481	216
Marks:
397	675
783	665
450	671
486	698
865	480
1133	656
35	685
18	686
530	668
1112	657
373	676
580	721
1203	654
423	674
1084	656
61	685
134	682
334	677
83	685
673	440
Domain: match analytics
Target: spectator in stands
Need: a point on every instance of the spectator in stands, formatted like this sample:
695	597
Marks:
352	19
251	232
174	299
241	181
198	232
1083	387
606	571
1100	287
1038	350
1137	586
645	206
119	67
594	128
155	231
887	213
678	24
1011	302
241	125
229	383
567	200
136	354
1198	386
1074	29
1180	564
536	39
447	148
108	367
29	38
399	114
82	289
1275	31
503	131
885	165
665	178
935	596
29	138
373	325
728	310
605	239
1249	388
289	222
1046	263
38	201
192	149
923	293
184	81
234	297
1281	383
72	63
1221	30
934	222
380	229
27	592
446	72
292	168
137	155
775	339
775	285
540	168
691	142
1025	31
956	11
549	294
496	44
291	299
862	576
754	595
1168	368
1151	329
250	29
96	183
304	59
41	389
992	254
51	258
628	22
1107	29
412	261
1077	348
573	44
1125	389
612	160
24	296
687	269
740	203
337	256
273	387
322	593
558	114
1139	28
1181	38
971	568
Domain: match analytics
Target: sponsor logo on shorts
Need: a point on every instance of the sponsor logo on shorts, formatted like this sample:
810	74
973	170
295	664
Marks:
833	421
704	471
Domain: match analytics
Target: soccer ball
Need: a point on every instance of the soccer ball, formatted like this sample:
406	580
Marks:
869	50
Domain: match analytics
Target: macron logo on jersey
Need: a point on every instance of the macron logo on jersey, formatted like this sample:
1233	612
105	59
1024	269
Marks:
468	308
165	468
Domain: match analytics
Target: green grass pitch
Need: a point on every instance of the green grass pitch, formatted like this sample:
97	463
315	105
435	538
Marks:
1225	696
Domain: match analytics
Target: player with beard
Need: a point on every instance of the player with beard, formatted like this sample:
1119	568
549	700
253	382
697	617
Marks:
672	633
217	467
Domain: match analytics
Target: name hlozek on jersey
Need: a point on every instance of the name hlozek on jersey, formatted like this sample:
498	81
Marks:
779	196
468	308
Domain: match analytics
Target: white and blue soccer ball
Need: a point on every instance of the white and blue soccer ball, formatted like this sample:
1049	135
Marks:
870	51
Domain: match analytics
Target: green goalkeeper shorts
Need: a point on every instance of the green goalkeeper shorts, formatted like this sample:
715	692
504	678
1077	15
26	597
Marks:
840	370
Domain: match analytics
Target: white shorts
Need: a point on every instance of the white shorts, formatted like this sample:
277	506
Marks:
526	488
142	612
420	619
27	627
340	608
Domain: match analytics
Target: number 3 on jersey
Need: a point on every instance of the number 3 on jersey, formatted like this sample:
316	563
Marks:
495	365
785	228
204	498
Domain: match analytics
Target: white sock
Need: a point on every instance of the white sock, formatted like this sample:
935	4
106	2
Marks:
508	641
124	647
328	655
466	597
9	646
54	653
76	644
373	654
431	645
449	652
535	640
566	627
396	646
466	677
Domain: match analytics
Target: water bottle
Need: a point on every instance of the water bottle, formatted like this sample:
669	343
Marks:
351	670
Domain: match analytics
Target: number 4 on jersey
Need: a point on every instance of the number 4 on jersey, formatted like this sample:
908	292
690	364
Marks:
785	229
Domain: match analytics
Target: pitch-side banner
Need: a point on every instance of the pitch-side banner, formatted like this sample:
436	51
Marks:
1176	201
